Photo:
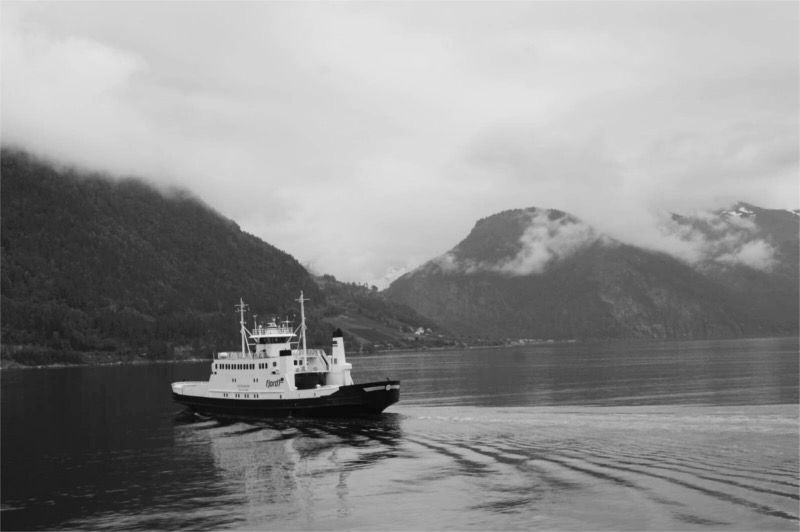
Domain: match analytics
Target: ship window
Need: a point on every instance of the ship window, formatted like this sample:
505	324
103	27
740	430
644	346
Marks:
274	364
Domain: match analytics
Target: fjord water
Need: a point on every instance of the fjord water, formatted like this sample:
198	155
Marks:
624	436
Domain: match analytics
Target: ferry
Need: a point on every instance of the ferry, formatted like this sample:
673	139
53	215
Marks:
274	374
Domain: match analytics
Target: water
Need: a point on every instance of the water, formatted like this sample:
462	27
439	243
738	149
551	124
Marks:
659	436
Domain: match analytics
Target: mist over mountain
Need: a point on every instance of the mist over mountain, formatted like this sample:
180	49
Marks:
541	273
93	265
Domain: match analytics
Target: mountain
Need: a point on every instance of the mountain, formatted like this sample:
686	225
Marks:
752	252
544	274
120	270
373	321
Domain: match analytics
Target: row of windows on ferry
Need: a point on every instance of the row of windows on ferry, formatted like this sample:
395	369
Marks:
260	365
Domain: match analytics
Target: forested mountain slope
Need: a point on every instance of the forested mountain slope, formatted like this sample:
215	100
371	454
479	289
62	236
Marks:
120	270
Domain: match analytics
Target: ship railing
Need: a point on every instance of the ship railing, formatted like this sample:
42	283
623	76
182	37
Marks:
236	355
277	331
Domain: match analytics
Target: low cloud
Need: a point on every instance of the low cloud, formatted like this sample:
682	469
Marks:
546	239
722	238
278	115
702	240
756	254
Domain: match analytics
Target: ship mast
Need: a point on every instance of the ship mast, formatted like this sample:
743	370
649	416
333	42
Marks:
241	307
303	325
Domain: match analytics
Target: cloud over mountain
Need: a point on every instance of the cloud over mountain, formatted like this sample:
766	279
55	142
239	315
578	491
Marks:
546	236
723	237
279	115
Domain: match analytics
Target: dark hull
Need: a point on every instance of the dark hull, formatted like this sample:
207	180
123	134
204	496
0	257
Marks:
348	401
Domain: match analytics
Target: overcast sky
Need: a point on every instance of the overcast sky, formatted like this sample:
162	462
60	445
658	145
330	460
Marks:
364	136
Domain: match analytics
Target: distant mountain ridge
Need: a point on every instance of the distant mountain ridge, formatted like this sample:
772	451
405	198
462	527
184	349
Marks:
115	268
542	273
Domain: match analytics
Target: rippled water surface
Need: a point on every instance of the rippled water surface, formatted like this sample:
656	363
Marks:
660	436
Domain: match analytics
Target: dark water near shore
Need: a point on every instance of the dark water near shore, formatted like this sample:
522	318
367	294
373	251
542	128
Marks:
660	436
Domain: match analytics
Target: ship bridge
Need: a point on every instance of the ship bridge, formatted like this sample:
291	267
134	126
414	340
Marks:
272	333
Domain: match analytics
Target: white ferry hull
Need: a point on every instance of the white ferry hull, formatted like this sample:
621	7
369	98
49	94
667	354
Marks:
348	401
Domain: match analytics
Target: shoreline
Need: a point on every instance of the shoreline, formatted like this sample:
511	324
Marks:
6	364
11	365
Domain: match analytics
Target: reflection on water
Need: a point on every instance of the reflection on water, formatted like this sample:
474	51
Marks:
668	435
275	467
